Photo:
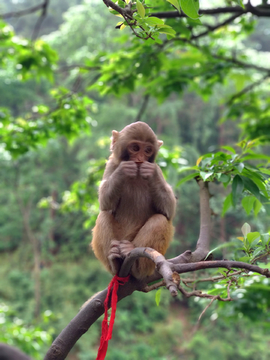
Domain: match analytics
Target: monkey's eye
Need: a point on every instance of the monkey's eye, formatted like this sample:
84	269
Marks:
148	150
135	147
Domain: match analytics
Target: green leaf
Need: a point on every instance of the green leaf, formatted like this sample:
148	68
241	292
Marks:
215	291
188	177
206	175
247	203
175	3
265	171
257	207
239	167
190	8
237	188
256	157
152	21
251	186
227	204
253	238
265	238
158	296
262	200
222	246
140	9
245	229
244	259
229	148
167	31
257	178
186	168
257	251
224	178
240	3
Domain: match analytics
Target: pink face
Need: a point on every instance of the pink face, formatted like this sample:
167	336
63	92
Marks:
140	151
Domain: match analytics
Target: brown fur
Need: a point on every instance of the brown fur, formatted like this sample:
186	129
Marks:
136	203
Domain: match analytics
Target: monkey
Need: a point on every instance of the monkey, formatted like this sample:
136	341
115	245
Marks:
137	205
11	353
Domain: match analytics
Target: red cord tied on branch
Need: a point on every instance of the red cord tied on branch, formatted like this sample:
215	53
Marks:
106	331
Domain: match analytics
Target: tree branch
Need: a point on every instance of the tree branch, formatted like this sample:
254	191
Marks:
143	107
257	10
93	309
164	267
40	20
232	60
203	243
247	89
77	66
23	12
218	26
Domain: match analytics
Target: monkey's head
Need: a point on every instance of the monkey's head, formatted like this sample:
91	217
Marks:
136	142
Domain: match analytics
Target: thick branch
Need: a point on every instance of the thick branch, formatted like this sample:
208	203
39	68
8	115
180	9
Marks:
203	243
227	264
93	309
87	316
163	266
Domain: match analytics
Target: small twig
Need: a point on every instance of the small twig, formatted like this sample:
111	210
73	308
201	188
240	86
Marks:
22	12
232	60
77	66
213	28
143	107
40	20
213	298
213	279
155	286
255	10
205	309
247	89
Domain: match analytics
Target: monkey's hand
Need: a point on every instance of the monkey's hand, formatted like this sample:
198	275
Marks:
147	170
129	168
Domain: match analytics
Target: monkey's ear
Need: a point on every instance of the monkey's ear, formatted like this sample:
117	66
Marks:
114	138
160	142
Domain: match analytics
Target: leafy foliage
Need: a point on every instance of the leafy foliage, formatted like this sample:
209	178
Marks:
30	339
232	168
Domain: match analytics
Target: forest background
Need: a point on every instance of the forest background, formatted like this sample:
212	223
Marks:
50	175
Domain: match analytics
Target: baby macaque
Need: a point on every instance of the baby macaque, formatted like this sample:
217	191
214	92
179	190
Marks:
137	205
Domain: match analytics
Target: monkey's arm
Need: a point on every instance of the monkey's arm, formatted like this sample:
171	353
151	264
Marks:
162	194
113	180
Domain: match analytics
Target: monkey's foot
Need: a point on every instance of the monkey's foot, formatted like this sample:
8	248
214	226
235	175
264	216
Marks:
115	257
125	247
114	252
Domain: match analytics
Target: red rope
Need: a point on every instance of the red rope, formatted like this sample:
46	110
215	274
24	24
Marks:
106	331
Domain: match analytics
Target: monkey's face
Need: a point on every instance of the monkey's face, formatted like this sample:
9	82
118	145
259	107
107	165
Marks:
140	151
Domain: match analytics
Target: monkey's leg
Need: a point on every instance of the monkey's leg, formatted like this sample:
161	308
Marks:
156	233
104	245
